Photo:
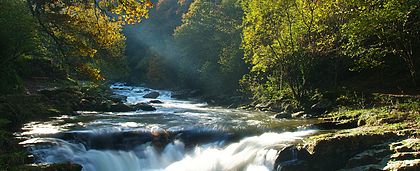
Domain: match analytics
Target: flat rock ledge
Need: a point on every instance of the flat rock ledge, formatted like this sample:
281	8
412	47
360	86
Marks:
354	152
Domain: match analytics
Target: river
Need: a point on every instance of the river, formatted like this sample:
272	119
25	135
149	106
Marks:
180	135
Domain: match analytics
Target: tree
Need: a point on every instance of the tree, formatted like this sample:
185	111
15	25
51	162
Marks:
155	36
381	28
18	31
109	56
80	28
209	39
18	36
279	40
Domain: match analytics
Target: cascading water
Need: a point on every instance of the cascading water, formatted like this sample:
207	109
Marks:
179	135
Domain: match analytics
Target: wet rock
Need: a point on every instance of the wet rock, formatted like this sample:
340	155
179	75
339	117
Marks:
118	98
283	115
300	114
155	101
104	107
120	107
292	165
336	125
161	138
291	158
144	107
152	95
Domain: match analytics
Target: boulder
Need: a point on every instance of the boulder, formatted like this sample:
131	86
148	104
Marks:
118	98
283	115
121	107
292	158
152	95
155	101
144	107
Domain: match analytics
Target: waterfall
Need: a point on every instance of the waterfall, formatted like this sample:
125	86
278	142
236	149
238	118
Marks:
181	135
251	153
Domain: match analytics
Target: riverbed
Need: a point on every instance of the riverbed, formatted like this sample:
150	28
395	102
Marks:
179	135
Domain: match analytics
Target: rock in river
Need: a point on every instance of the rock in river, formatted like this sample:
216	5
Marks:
155	101
118	98
144	107
152	95
283	115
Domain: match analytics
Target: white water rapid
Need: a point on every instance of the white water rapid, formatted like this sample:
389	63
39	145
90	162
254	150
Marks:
200	138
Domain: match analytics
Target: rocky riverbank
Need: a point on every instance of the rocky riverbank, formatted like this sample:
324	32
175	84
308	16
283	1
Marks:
385	138
43	101
91	99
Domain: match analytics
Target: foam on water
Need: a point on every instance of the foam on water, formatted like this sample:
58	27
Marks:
199	137
252	153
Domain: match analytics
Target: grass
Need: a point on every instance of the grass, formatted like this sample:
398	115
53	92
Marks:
386	114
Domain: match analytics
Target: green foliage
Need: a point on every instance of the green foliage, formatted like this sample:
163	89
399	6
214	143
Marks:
376	29
70	23
11	153
10	82
28	67
18	32
109	47
209	39
67	33
291	44
279	41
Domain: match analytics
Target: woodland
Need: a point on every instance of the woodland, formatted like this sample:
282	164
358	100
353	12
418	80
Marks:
264	49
